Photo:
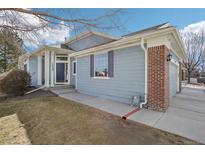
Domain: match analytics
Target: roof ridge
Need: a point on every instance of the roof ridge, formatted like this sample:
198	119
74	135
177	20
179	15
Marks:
87	32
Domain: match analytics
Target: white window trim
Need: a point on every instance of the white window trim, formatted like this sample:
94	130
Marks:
73	67
100	77
61	61
65	62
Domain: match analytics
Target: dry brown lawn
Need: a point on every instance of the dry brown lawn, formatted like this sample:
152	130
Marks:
37	119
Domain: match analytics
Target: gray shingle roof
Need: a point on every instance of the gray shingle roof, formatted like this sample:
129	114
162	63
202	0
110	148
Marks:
150	29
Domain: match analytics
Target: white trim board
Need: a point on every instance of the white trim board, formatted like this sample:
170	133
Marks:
76	74
72	68
130	41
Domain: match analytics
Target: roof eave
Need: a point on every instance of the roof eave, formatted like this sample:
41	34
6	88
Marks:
180	43
122	41
46	47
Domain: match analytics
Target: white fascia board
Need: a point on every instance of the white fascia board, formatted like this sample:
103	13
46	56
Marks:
180	42
134	40
54	49
122	43
39	50
106	48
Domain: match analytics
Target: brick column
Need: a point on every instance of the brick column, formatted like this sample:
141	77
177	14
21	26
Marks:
158	78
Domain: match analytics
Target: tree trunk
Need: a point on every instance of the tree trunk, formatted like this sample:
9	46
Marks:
189	76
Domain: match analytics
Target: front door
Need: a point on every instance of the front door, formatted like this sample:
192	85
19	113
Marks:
61	72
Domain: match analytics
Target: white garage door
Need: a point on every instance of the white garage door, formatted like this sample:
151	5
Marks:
172	80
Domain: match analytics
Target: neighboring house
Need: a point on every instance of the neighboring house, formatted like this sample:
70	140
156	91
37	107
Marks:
145	63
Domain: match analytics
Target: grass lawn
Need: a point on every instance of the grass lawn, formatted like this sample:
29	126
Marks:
36	119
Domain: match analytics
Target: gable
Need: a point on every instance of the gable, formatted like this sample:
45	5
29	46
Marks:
88	42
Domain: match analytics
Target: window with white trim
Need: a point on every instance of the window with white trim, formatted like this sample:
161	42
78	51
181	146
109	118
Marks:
60	57
101	65
74	68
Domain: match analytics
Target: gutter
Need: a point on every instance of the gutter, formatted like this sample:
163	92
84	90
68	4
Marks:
121	42
145	51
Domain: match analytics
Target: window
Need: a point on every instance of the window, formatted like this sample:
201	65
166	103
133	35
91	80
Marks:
61	58
74	68
101	65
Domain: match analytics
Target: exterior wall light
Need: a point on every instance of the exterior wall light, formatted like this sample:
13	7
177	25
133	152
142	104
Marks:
169	57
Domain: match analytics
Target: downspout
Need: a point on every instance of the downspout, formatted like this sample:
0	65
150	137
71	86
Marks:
145	51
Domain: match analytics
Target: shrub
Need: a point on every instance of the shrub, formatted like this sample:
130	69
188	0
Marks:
15	82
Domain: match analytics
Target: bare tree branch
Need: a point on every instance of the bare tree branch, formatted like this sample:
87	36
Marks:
194	44
89	22
16	19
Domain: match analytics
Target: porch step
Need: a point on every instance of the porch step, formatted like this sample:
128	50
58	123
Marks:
62	89
56	87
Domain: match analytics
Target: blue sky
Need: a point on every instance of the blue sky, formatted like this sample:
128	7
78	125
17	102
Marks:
133	19
136	19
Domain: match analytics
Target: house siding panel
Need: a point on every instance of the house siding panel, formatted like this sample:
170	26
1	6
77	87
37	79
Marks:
88	42
33	70
128	77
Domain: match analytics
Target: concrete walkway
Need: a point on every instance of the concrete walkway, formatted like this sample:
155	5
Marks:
185	115
107	105
110	106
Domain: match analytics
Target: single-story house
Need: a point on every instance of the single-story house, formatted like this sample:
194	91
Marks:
145	64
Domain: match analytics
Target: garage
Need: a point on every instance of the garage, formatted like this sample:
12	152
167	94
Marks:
173	79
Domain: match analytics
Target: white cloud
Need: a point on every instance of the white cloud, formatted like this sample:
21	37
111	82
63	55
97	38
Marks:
46	36
194	28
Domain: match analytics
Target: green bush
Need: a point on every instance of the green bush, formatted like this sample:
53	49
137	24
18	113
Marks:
15	82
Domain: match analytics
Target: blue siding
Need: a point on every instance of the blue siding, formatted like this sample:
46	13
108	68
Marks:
174	56
88	42
33	70
128	77
72	77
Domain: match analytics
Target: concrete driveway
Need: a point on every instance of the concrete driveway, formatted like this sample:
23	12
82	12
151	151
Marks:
185	115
